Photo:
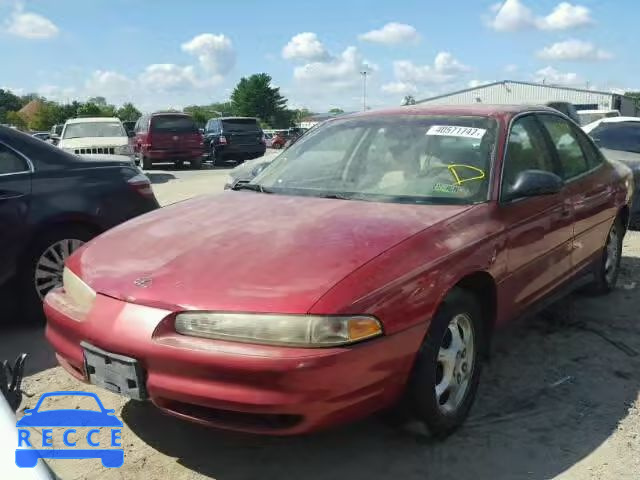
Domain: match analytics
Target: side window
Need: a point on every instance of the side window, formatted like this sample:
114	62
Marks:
10	162
572	159
526	150
594	157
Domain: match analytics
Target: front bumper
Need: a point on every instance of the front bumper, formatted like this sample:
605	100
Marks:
245	387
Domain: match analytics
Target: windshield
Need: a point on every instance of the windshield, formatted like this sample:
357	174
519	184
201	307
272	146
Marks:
240	125
94	129
618	136
404	159
173	123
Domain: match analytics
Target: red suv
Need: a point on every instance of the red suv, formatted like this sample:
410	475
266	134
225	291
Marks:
168	137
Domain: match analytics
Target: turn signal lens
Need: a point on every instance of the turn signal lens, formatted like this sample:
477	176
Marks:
363	327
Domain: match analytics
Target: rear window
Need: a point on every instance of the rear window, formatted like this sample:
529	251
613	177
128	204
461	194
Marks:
173	123
240	125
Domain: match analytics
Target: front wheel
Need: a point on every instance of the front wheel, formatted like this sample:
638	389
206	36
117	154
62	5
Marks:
446	372
196	163
145	163
44	263
608	267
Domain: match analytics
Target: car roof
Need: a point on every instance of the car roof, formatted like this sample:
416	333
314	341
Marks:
93	120
480	109
182	114
590	126
604	110
236	118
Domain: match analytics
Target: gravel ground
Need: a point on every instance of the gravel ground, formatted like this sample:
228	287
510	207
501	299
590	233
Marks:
559	399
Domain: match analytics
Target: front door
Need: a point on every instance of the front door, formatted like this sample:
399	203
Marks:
15	191
539	230
589	186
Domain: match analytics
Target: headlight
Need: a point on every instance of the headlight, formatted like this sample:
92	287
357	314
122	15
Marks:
290	330
123	150
81	295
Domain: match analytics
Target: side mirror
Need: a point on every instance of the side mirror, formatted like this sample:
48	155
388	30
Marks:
534	183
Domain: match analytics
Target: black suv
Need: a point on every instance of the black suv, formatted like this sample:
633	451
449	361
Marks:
51	202
233	138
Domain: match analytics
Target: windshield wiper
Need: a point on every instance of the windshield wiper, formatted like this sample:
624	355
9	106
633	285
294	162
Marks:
254	187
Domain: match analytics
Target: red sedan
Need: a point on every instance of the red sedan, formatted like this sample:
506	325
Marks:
369	264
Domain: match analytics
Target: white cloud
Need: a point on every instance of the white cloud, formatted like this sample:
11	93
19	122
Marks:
514	15
552	76
573	50
29	25
566	16
392	34
215	52
108	83
444	69
58	94
447	64
511	16
511	68
339	72
477	83
399	88
168	76
305	47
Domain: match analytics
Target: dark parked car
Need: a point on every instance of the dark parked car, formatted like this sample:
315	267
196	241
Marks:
233	138
167	137
619	139
567	108
42	135
51	202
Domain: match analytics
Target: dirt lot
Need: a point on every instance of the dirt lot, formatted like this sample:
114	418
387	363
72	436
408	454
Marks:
559	399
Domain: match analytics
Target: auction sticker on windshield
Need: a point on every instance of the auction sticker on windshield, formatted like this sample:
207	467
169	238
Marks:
454	131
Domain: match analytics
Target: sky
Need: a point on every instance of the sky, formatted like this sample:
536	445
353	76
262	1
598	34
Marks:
167	54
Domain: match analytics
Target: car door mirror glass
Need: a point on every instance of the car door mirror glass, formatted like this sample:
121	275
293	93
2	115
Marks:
533	183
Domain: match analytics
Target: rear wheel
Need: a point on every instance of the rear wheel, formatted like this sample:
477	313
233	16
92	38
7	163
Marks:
196	163
446	372
608	267
43	266
146	163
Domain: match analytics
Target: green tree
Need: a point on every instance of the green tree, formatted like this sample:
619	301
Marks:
635	96
14	118
336	111
9	103
128	113
100	101
89	109
408	100
255	97
49	114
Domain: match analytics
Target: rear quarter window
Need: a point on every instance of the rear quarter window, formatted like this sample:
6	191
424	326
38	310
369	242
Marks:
173	123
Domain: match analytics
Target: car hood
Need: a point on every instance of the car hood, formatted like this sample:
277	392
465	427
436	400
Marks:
246	251
93	142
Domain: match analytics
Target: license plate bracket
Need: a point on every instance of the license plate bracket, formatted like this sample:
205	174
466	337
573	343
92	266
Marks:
116	373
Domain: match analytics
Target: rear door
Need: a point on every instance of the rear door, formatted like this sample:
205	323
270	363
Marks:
173	132
589	186
539	229
242	131
15	193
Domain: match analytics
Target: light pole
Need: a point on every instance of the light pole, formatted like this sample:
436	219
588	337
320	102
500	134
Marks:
364	72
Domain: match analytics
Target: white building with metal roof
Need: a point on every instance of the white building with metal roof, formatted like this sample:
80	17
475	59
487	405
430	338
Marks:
510	92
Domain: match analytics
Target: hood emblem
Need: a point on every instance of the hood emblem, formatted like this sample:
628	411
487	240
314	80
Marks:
143	282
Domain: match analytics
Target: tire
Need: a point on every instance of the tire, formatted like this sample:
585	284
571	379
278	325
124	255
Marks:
607	269
146	163
179	164
45	259
444	411
196	163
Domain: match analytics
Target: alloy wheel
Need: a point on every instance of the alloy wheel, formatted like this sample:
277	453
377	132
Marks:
455	364
50	265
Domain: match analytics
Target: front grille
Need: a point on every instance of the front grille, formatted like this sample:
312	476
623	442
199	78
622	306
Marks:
87	151
231	419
